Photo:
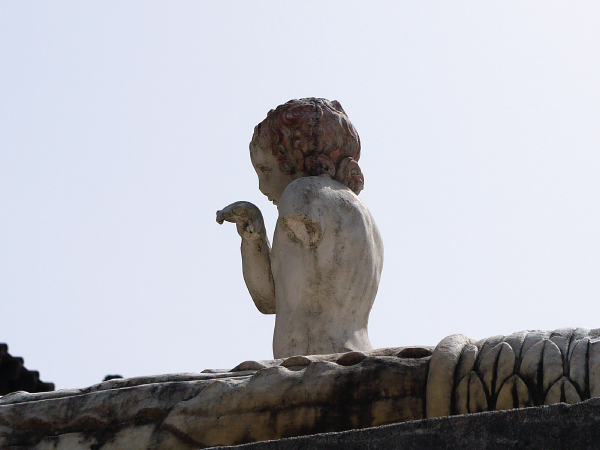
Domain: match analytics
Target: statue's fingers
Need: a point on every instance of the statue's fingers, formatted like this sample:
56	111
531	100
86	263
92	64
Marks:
237	212
224	215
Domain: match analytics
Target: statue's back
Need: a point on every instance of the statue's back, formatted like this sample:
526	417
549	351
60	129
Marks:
327	258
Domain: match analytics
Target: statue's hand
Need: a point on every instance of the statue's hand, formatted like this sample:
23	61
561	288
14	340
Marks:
246	216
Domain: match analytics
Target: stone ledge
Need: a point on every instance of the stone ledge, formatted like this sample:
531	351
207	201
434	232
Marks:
555	427
255	401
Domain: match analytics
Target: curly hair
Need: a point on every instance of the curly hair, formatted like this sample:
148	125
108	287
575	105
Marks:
313	135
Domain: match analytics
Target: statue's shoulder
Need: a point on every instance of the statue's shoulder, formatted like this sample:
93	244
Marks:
310	194
311	206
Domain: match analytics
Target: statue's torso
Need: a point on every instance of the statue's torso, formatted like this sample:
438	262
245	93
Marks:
327	258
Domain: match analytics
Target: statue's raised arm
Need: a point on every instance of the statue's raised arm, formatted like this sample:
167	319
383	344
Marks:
256	252
322	274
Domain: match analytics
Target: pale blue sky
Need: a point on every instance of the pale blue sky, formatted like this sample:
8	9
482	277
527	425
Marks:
125	126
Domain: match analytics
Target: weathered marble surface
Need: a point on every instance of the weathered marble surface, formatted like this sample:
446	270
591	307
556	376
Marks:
300	395
257	400
322	274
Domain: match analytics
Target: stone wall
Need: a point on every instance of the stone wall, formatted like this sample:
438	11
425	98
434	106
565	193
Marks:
556	427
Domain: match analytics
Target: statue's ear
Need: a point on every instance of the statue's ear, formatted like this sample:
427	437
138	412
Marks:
349	173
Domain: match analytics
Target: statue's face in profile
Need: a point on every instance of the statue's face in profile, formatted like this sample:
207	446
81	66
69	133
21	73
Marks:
271	181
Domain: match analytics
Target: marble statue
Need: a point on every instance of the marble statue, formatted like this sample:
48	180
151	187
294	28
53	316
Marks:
321	276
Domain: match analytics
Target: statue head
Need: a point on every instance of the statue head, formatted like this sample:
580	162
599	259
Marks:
306	137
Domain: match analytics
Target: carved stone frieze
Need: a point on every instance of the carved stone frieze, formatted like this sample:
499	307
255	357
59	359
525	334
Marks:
528	368
301	395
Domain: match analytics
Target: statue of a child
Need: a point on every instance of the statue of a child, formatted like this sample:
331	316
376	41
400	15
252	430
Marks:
321	276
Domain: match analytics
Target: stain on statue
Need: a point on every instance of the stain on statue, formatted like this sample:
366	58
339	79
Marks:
321	275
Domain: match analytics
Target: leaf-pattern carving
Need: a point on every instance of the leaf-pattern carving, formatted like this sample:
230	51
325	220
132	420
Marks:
565	333
532	338
542	365
530	365
552	366
514	394
461	396
441	379
594	367
477	399
486	345
516	341
497	366
578	334
467	361
470	396
526	369
505	366
562	342
578	365
562	391
571	394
